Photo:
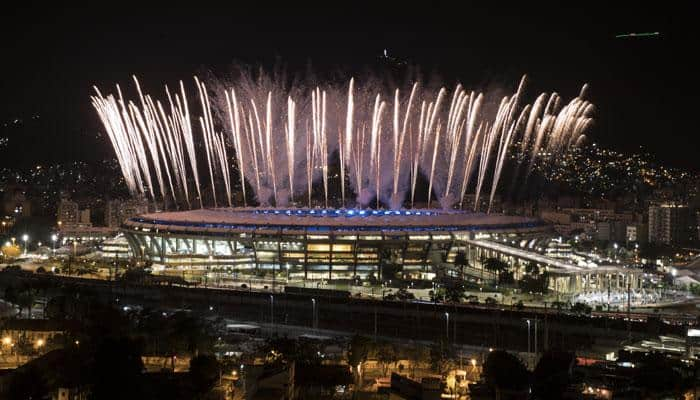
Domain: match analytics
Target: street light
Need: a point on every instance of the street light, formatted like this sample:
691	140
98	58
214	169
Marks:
313	313
25	239
528	338
272	311
54	238
447	325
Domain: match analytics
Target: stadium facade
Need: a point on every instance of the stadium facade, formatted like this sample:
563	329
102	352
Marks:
313	243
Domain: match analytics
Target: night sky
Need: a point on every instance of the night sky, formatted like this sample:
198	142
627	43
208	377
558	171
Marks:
641	86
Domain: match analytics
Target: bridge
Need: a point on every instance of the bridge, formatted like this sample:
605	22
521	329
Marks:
567	277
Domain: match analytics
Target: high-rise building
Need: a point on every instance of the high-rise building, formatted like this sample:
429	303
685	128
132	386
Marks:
669	223
84	216
70	216
68	212
117	211
637	233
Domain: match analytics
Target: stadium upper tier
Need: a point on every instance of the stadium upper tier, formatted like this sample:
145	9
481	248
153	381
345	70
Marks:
227	220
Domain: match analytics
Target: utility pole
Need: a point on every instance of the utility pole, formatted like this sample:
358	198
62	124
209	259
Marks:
536	321
454	328
375	323
447	327
546	330
528	340
313	313
629	314
272	312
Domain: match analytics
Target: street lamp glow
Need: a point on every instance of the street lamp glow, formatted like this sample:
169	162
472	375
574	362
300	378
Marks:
40	342
54	238
25	239
447	324
7	340
473	362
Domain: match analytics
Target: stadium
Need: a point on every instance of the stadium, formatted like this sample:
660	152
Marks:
380	173
313	244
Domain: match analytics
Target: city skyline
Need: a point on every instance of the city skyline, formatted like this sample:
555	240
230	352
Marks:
350	201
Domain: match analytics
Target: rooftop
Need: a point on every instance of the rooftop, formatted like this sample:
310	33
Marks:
327	219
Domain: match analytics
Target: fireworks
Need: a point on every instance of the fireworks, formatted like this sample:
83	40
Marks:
284	139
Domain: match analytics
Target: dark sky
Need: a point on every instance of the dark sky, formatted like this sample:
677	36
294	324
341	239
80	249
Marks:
641	86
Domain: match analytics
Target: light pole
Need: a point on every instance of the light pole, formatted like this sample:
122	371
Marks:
272	311
536	321
447	326
25	239
54	238
313	313
528	339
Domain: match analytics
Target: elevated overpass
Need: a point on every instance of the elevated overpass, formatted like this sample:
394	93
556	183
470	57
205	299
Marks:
566	276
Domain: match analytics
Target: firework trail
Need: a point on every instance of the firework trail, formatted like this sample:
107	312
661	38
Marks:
281	138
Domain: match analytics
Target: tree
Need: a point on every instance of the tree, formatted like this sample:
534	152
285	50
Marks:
388	263
27	383
372	279
455	293
117	369
505	278
417	354
441	355
386	354
581	308
437	296
490	301
358	351
535	283
284	350
552	375
10	294
280	350
503	370
204	372
532	268
404	294
189	334
534	280
500	269
655	373
23	296
495	265
461	262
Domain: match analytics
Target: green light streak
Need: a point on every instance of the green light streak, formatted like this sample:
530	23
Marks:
641	34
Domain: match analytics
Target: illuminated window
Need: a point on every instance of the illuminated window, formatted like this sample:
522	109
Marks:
371	237
319	247
419	237
342	247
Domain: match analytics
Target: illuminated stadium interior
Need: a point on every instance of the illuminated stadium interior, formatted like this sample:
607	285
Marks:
311	244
